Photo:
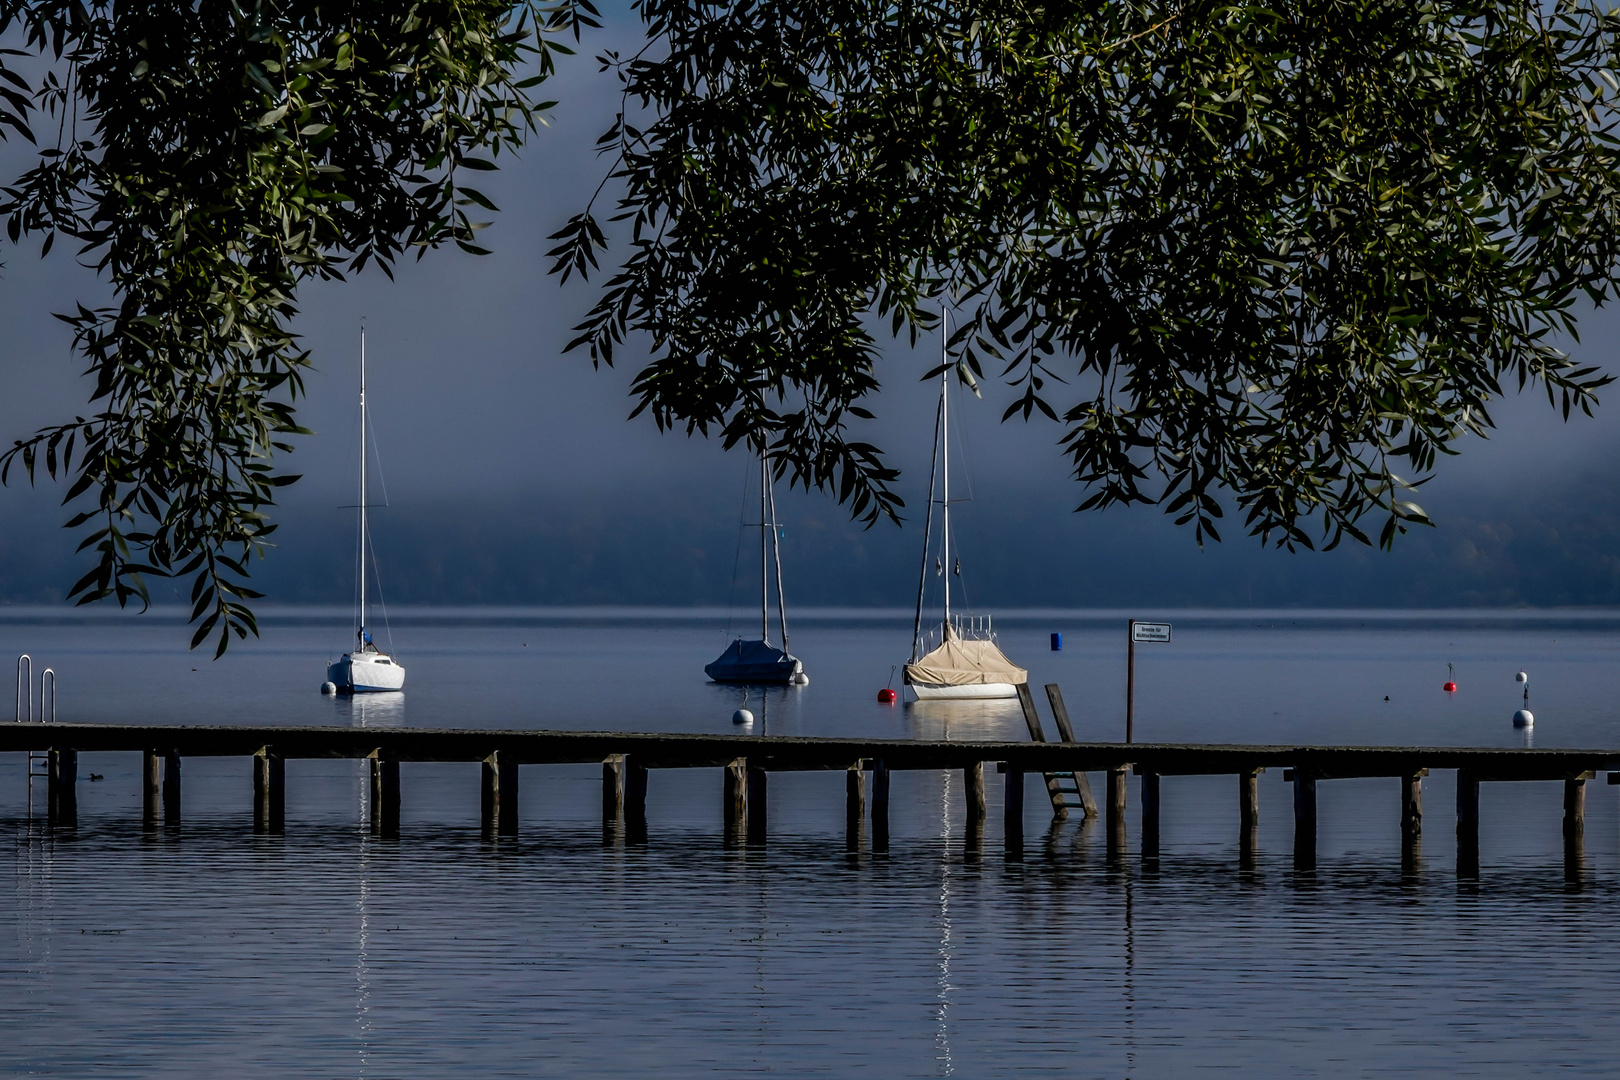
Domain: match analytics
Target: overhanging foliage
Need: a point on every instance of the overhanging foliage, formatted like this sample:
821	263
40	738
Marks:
206	159
1274	248
1271	249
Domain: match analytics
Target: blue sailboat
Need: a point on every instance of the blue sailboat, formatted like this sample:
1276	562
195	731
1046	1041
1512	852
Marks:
755	660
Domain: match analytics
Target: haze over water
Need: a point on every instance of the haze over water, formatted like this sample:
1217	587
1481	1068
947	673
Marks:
326	952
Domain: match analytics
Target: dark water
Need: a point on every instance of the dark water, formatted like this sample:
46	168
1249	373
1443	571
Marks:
324	952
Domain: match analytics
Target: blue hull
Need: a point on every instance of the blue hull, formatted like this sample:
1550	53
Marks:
754	662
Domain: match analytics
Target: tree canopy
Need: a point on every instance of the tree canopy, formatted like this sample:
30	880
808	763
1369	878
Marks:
207	159
1281	254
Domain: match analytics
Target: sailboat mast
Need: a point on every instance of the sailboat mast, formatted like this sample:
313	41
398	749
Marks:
362	486
945	455
928	532
764	556
776	552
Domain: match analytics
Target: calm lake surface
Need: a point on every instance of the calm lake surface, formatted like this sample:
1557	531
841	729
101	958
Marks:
325	952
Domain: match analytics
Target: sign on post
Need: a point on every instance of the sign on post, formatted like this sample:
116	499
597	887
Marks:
1151	633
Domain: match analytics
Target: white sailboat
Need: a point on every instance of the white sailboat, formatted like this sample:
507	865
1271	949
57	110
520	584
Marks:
367	669
758	661
966	662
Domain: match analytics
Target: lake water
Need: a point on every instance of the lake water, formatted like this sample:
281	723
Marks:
326	952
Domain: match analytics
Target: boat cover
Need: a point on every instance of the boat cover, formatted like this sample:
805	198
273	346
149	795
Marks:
753	662
963	662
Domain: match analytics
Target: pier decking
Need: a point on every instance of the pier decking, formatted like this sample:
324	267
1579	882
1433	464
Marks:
745	762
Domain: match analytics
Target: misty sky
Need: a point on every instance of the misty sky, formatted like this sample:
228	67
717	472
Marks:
514	476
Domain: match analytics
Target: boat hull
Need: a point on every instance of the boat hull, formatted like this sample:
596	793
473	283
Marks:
366	675
970	691
755	663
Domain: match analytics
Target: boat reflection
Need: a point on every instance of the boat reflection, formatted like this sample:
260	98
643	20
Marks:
967	720
379	710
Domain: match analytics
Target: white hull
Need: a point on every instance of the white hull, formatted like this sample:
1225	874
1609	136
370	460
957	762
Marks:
971	691
367	674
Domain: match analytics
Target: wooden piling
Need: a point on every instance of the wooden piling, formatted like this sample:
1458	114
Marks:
757	805
506	778
855	799
1412	822
1248	816
880	805
973	839
1012	801
1574	860
269	791
374	802
1467	823
151	786
62	786
1150	814
1575	806
1118	794
385	794
635	790
612	788
735	800
171	788
498	795
489	796
1304	820
973	788
1575	829
1412	805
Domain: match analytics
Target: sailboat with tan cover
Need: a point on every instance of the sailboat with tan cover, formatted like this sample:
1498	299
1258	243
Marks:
966	662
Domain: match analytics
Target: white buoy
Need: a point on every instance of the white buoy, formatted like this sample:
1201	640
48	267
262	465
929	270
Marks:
1524	718
742	716
800	679
328	688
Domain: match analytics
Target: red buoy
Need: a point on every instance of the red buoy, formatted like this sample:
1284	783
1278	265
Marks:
886	696
1451	688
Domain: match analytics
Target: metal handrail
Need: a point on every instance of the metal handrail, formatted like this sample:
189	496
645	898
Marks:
966	627
42	684
25	687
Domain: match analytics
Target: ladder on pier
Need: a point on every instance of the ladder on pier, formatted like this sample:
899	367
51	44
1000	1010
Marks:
1067	790
38	760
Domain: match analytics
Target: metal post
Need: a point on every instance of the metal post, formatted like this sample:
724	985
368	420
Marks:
1130	680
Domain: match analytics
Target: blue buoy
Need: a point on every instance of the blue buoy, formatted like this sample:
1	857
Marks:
1057	642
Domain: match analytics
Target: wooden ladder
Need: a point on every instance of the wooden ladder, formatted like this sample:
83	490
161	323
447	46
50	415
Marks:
1061	787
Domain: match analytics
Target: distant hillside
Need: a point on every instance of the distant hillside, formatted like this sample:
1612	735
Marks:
1560	547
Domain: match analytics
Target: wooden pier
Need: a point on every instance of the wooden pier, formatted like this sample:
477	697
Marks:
746	761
